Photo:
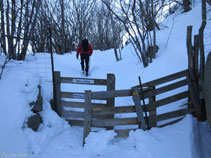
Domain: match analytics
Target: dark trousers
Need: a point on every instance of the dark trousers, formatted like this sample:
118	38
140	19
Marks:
85	58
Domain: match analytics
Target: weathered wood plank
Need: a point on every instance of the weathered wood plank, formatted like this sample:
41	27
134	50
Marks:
123	133
196	59
114	122
207	88
76	122
87	115
87	81
139	111
110	87
78	95
170	115
147	93
194	97
165	88
171	123
190	51
114	110
77	114
72	114
167	100
149	107
70	104
165	79
131	121
111	94
80	123
75	95
58	90
154	109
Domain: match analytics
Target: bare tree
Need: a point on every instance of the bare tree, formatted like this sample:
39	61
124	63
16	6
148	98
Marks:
140	20
54	18
18	19
3	37
63	28
107	32
186	4
83	16
30	17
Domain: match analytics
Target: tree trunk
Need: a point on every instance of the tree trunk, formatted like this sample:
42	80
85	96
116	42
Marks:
154	33
13	29
29	28
9	36
3	39
63	28
116	54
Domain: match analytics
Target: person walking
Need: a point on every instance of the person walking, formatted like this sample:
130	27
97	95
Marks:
85	50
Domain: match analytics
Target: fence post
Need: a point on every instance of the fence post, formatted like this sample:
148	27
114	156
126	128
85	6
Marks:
190	60
196	60
57	98
139	110
190	52
195	98
154	111
87	114
207	88
110	87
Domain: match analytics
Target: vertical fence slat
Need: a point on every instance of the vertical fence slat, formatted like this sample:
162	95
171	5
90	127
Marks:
58	92
196	59
87	115
207	87
190	60
139	111
110	87
194	96
190	51
154	111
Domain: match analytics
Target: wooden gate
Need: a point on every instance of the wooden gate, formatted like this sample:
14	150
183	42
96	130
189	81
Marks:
145	116
75	116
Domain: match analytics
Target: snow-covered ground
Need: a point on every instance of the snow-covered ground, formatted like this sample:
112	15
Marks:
56	138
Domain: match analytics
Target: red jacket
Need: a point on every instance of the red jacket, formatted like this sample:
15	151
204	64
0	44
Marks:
84	52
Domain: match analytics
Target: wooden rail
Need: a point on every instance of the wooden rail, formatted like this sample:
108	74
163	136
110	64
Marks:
195	75
62	105
102	115
86	81
165	79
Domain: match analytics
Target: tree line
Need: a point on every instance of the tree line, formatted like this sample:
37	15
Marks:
59	25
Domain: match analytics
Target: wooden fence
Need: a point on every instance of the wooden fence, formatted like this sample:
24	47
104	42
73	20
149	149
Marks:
102	115
196	72
61	104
